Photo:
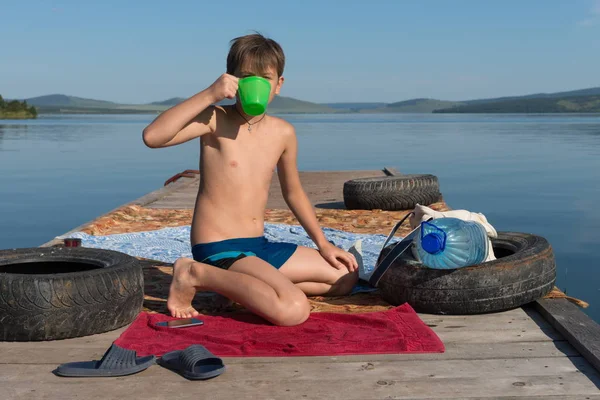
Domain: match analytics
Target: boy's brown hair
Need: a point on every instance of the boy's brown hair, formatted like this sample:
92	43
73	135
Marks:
256	53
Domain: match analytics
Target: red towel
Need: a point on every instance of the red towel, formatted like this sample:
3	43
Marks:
399	330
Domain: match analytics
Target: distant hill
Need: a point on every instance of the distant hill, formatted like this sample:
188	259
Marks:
281	104
572	104
176	100
435	105
354	106
55	100
169	102
582	100
60	103
595	91
414	106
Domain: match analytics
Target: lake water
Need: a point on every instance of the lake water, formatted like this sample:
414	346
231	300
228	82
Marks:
527	173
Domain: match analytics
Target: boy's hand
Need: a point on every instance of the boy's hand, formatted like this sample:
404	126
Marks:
334	254
224	87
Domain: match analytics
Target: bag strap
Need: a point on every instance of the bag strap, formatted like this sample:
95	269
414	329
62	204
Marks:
394	229
396	251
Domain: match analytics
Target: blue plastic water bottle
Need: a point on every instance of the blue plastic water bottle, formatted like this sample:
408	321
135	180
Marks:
448	243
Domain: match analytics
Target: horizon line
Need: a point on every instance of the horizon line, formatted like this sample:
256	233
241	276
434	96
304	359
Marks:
295	98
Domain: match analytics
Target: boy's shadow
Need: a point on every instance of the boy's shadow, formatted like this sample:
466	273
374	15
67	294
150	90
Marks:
335	205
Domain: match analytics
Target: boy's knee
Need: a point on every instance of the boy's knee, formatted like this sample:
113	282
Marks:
344	284
294	312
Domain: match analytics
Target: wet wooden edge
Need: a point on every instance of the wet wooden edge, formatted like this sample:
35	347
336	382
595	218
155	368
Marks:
577	327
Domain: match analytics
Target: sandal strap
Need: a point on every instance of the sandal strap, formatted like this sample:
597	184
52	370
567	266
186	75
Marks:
117	358
195	353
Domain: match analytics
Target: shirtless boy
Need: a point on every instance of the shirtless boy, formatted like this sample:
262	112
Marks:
239	154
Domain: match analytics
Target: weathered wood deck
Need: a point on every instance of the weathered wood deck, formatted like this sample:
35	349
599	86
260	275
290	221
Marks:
516	354
324	189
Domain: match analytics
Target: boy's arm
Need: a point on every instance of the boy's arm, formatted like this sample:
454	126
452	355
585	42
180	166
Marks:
300	205
191	118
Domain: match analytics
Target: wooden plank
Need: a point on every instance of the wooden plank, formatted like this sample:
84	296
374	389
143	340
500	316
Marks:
181	184
101	340
573	386
46	353
512	326
491	322
409	370
391	171
324	188
546	397
178	197
525	313
399	369
576	326
173	206
550	397
408	379
490	336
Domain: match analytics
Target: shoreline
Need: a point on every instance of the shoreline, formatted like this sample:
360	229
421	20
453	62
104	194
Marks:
17	115
341	112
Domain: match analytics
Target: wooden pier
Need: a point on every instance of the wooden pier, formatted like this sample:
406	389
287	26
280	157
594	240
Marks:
547	350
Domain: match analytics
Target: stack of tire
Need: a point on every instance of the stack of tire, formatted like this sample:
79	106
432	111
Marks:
391	193
524	271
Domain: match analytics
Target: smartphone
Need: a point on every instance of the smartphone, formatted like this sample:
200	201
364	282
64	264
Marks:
181	323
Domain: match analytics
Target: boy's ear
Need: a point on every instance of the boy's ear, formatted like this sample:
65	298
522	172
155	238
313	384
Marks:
279	83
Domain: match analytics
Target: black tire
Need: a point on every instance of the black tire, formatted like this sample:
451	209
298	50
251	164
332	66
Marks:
38	306
391	193
524	271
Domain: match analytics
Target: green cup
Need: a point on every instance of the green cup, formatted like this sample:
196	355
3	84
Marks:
254	94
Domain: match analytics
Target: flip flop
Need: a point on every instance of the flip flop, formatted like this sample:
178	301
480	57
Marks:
116	361
195	363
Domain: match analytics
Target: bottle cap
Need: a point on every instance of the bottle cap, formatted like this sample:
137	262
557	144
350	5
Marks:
433	243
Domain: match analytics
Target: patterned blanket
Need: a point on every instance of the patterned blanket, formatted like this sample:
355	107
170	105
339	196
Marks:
168	244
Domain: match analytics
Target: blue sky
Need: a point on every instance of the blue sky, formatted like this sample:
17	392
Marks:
142	51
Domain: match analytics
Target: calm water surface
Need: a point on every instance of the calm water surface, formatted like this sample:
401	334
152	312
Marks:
527	173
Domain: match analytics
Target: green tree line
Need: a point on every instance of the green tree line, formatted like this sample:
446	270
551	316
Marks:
573	104
16	106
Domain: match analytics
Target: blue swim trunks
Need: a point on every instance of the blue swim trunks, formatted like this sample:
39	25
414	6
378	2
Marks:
224	253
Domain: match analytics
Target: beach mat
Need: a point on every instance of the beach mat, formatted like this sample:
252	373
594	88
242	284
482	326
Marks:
395	331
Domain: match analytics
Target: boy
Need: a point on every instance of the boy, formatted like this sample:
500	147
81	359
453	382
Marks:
239	154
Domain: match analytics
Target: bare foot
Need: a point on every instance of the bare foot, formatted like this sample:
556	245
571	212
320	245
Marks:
182	290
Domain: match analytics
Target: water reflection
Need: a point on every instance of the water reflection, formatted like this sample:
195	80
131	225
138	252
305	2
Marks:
34	132
11	131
